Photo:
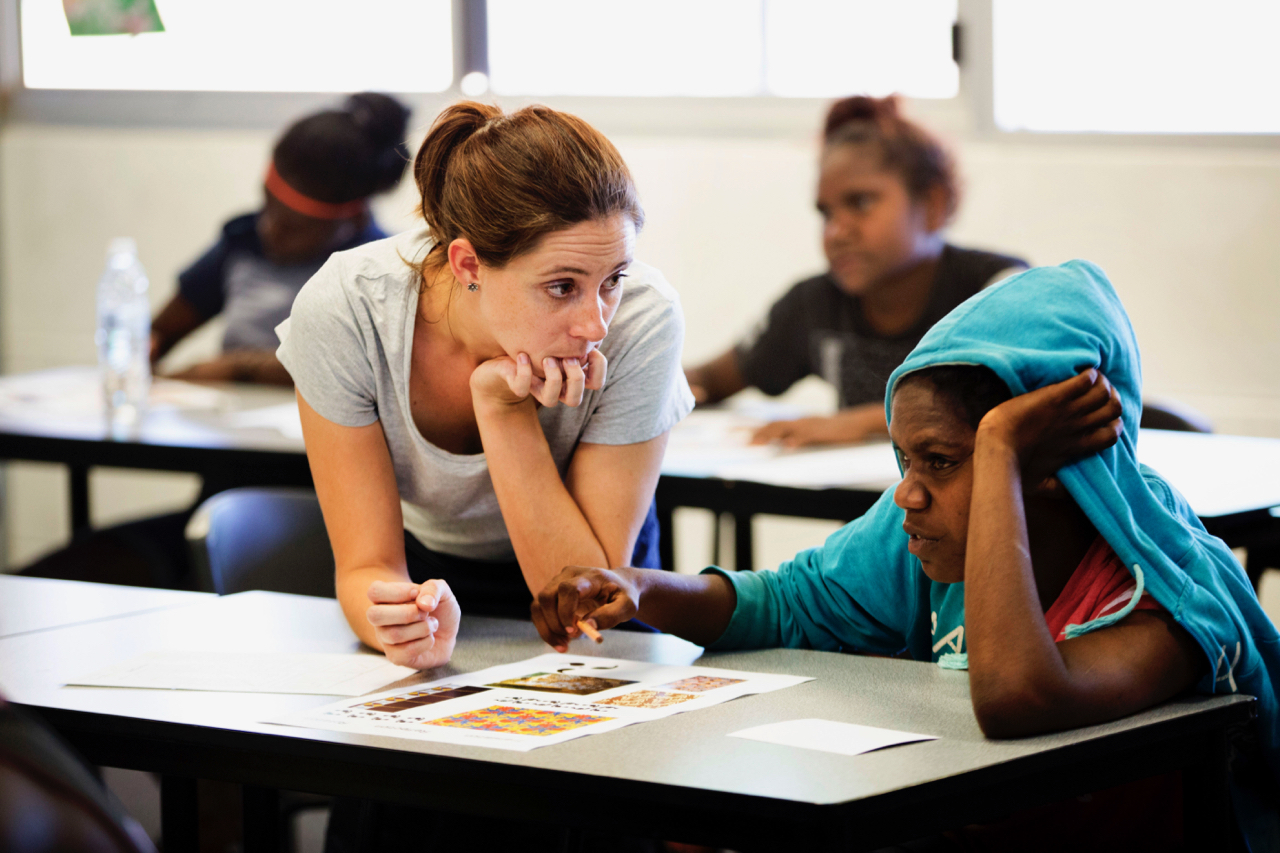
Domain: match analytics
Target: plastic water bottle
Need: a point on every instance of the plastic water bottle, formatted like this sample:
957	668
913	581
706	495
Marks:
124	333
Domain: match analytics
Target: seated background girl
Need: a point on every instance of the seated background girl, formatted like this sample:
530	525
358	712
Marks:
886	190
323	171
1090	590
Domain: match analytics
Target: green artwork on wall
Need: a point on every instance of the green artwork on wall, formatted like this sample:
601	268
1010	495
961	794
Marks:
112	17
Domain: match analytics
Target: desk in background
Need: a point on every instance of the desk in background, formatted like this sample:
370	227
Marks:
680	778
249	435
241	434
1231	482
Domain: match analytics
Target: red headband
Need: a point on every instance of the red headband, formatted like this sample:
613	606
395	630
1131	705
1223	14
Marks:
306	205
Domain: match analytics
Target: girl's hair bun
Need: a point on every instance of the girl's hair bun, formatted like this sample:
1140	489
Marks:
346	154
859	108
381	118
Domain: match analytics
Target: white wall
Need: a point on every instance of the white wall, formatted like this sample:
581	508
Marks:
1188	234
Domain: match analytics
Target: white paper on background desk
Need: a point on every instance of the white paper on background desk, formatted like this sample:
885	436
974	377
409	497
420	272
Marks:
251	672
282	418
829	736
538	702
868	465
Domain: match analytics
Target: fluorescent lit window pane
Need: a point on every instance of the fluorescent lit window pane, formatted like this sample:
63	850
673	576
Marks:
655	48
829	48
250	46
1137	66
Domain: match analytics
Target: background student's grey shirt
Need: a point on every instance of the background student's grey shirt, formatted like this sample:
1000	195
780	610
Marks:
818	328
235	278
348	346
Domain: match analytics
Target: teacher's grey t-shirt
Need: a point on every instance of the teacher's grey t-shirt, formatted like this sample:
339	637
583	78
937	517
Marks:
348	346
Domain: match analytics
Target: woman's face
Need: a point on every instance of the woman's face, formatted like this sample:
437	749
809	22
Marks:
935	447
872	228
557	300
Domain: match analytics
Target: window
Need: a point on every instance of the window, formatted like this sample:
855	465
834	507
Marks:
1137	66
725	48
250	46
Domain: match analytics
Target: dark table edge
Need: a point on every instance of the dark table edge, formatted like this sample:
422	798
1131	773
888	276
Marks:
662	810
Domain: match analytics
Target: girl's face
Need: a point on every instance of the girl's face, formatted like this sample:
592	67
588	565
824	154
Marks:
289	237
935	447
872	228
557	300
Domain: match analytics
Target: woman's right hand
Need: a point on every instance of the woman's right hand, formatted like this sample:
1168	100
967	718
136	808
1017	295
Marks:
606	597
416	624
510	381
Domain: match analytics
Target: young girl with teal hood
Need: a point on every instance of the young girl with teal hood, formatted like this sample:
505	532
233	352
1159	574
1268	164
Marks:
1025	543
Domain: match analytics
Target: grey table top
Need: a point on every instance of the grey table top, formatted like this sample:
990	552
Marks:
689	751
30	605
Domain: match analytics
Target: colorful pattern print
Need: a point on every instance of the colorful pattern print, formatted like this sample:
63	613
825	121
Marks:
561	682
518	721
702	683
647	699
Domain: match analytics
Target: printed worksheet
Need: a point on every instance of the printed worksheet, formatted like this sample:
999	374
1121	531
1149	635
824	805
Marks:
539	702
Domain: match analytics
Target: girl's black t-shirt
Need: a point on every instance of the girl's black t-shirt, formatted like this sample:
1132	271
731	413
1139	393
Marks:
817	328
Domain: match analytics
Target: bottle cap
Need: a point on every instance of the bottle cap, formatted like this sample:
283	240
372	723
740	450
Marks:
122	246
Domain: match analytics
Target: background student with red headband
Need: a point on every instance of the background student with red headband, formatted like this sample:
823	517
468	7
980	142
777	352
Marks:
322	173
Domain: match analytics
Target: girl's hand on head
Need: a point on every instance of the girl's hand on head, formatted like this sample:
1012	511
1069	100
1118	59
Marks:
1058	424
603	597
416	624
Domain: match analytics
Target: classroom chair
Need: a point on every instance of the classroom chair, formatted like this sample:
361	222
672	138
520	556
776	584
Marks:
1167	414
270	538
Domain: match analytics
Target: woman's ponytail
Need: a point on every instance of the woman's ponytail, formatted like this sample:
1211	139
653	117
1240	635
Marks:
452	128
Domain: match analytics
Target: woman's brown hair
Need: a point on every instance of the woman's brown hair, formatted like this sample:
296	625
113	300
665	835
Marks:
503	181
905	147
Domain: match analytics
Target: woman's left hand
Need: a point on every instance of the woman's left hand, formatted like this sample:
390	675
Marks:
510	381
1058	424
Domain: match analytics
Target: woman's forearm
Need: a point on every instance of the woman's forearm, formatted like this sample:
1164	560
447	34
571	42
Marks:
548	529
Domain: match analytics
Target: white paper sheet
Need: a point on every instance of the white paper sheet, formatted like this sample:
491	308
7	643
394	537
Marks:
539	702
829	736
251	672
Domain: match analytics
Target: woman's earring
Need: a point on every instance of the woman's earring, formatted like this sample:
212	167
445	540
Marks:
473	287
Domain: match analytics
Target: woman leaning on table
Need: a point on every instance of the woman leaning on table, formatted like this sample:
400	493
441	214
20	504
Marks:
467	418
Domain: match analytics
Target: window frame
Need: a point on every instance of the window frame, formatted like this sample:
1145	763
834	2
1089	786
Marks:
969	115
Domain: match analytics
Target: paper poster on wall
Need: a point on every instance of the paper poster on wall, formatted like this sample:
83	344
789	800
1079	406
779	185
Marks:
112	17
539	702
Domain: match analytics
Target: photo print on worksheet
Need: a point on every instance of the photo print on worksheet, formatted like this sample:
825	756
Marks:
647	699
562	682
702	683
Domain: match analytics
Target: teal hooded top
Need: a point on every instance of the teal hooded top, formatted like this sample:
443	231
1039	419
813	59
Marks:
863	591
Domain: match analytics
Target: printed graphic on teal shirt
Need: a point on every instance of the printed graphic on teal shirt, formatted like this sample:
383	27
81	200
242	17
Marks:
946	601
